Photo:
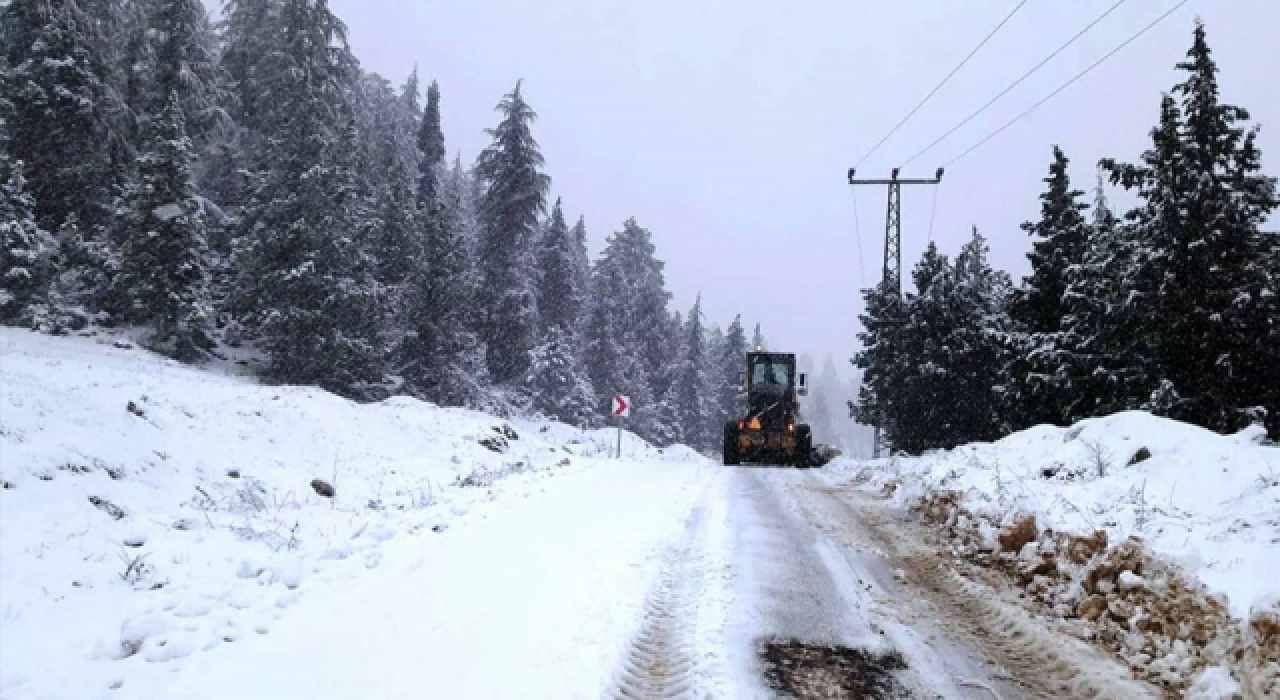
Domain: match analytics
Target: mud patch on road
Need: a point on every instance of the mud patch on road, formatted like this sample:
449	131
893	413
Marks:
795	669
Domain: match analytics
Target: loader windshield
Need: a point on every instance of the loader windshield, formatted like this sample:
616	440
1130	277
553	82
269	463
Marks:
768	375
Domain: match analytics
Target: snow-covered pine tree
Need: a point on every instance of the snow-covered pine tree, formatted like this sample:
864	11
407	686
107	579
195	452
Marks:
1105	345
443	358
411	97
135	66
883	357
613	363
558	298
463	192
629	331
1060	237
1033	391
922	411
659	424
186	66
932	357
105	23
398	247
730	365
389	131
514	198
1270	258
431	148
663	374
581	271
758	341
1204	198
306	278
602	333
60	127
972	352
670	428
250	31
712	388
557	383
690	389
26	250
162	280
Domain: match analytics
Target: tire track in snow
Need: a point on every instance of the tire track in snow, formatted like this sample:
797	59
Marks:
661	663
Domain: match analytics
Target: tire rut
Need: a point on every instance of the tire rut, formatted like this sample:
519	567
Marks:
661	662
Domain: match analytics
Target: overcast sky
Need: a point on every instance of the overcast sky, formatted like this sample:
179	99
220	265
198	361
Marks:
726	126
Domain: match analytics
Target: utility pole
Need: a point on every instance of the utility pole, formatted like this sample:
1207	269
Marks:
891	273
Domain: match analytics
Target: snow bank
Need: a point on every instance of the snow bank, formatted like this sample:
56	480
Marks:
1208	502
152	511
1189	584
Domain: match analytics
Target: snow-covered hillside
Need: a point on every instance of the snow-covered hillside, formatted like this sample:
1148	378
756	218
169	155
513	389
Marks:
152	511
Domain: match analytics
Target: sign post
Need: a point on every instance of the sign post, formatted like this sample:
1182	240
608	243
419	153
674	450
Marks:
621	409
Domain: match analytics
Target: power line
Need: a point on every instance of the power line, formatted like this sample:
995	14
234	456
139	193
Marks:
939	85
857	235
1067	84
1015	83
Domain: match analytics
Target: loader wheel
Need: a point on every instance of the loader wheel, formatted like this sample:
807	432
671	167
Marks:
804	446
731	456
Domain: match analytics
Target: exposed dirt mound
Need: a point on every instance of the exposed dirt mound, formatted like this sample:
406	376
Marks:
1164	625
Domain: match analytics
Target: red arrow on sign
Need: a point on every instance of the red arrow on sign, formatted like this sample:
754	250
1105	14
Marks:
621	406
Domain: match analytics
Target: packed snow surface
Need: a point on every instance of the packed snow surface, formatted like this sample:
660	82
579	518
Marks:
1208	502
160	536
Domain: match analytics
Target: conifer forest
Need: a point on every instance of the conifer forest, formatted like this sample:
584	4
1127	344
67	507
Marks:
243	186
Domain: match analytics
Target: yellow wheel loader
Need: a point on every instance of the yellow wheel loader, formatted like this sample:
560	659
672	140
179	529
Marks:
770	432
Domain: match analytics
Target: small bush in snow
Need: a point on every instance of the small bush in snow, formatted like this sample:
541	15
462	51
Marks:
1099	458
494	443
136	568
107	507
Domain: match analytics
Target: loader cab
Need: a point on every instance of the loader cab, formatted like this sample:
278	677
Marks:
772	388
770	375
773	374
